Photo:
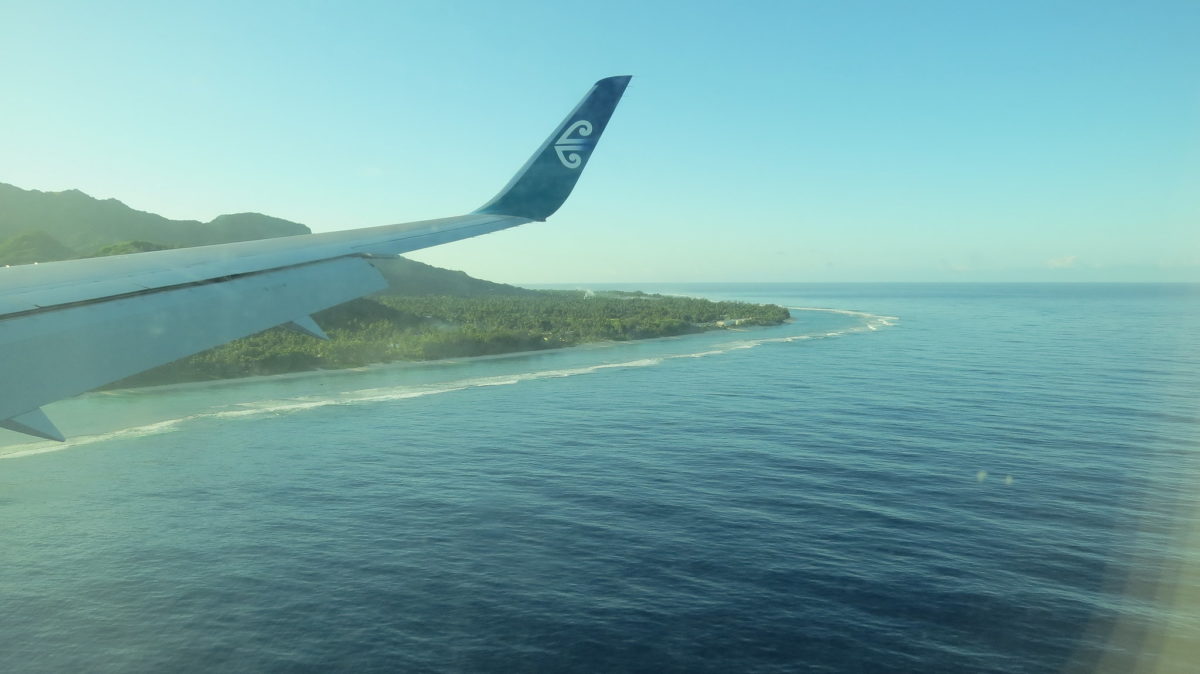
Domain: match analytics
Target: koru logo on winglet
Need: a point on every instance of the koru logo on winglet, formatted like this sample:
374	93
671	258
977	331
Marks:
568	149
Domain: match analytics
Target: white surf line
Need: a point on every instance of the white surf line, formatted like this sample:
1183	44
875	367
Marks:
301	404
847	312
874	321
45	447
288	406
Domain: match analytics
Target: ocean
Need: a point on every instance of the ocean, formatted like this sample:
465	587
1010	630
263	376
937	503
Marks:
905	478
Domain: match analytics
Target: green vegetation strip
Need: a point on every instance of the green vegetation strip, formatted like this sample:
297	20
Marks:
394	328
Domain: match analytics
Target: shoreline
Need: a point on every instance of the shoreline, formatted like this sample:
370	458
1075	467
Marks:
102	415
404	363
420	329
132	412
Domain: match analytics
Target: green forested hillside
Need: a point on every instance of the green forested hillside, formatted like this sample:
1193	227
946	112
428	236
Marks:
30	247
127	247
410	278
83	223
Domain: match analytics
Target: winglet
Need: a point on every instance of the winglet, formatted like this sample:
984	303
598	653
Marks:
544	183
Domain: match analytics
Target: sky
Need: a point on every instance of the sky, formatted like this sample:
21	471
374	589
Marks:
771	141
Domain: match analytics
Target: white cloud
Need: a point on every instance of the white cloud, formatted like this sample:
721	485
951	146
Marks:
1064	262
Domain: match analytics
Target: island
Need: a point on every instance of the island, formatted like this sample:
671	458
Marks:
426	313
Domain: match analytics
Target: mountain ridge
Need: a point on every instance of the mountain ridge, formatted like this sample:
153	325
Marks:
84	223
38	226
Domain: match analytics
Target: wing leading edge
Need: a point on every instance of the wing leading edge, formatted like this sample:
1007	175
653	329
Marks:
68	327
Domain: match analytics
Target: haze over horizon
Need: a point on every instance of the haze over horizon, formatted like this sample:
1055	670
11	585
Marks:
861	141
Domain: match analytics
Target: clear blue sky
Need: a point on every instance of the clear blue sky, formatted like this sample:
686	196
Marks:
775	141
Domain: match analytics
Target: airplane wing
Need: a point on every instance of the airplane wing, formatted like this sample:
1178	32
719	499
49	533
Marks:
68	327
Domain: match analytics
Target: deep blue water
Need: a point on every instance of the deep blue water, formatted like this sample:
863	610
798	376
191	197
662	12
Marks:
939	478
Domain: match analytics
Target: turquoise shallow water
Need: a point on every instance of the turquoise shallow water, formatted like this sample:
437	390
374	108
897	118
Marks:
927	478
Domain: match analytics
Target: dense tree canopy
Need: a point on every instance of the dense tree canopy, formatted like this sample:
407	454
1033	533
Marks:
396	327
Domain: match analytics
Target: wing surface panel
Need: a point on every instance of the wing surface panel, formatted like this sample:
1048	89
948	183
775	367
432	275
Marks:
68	351
36	286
